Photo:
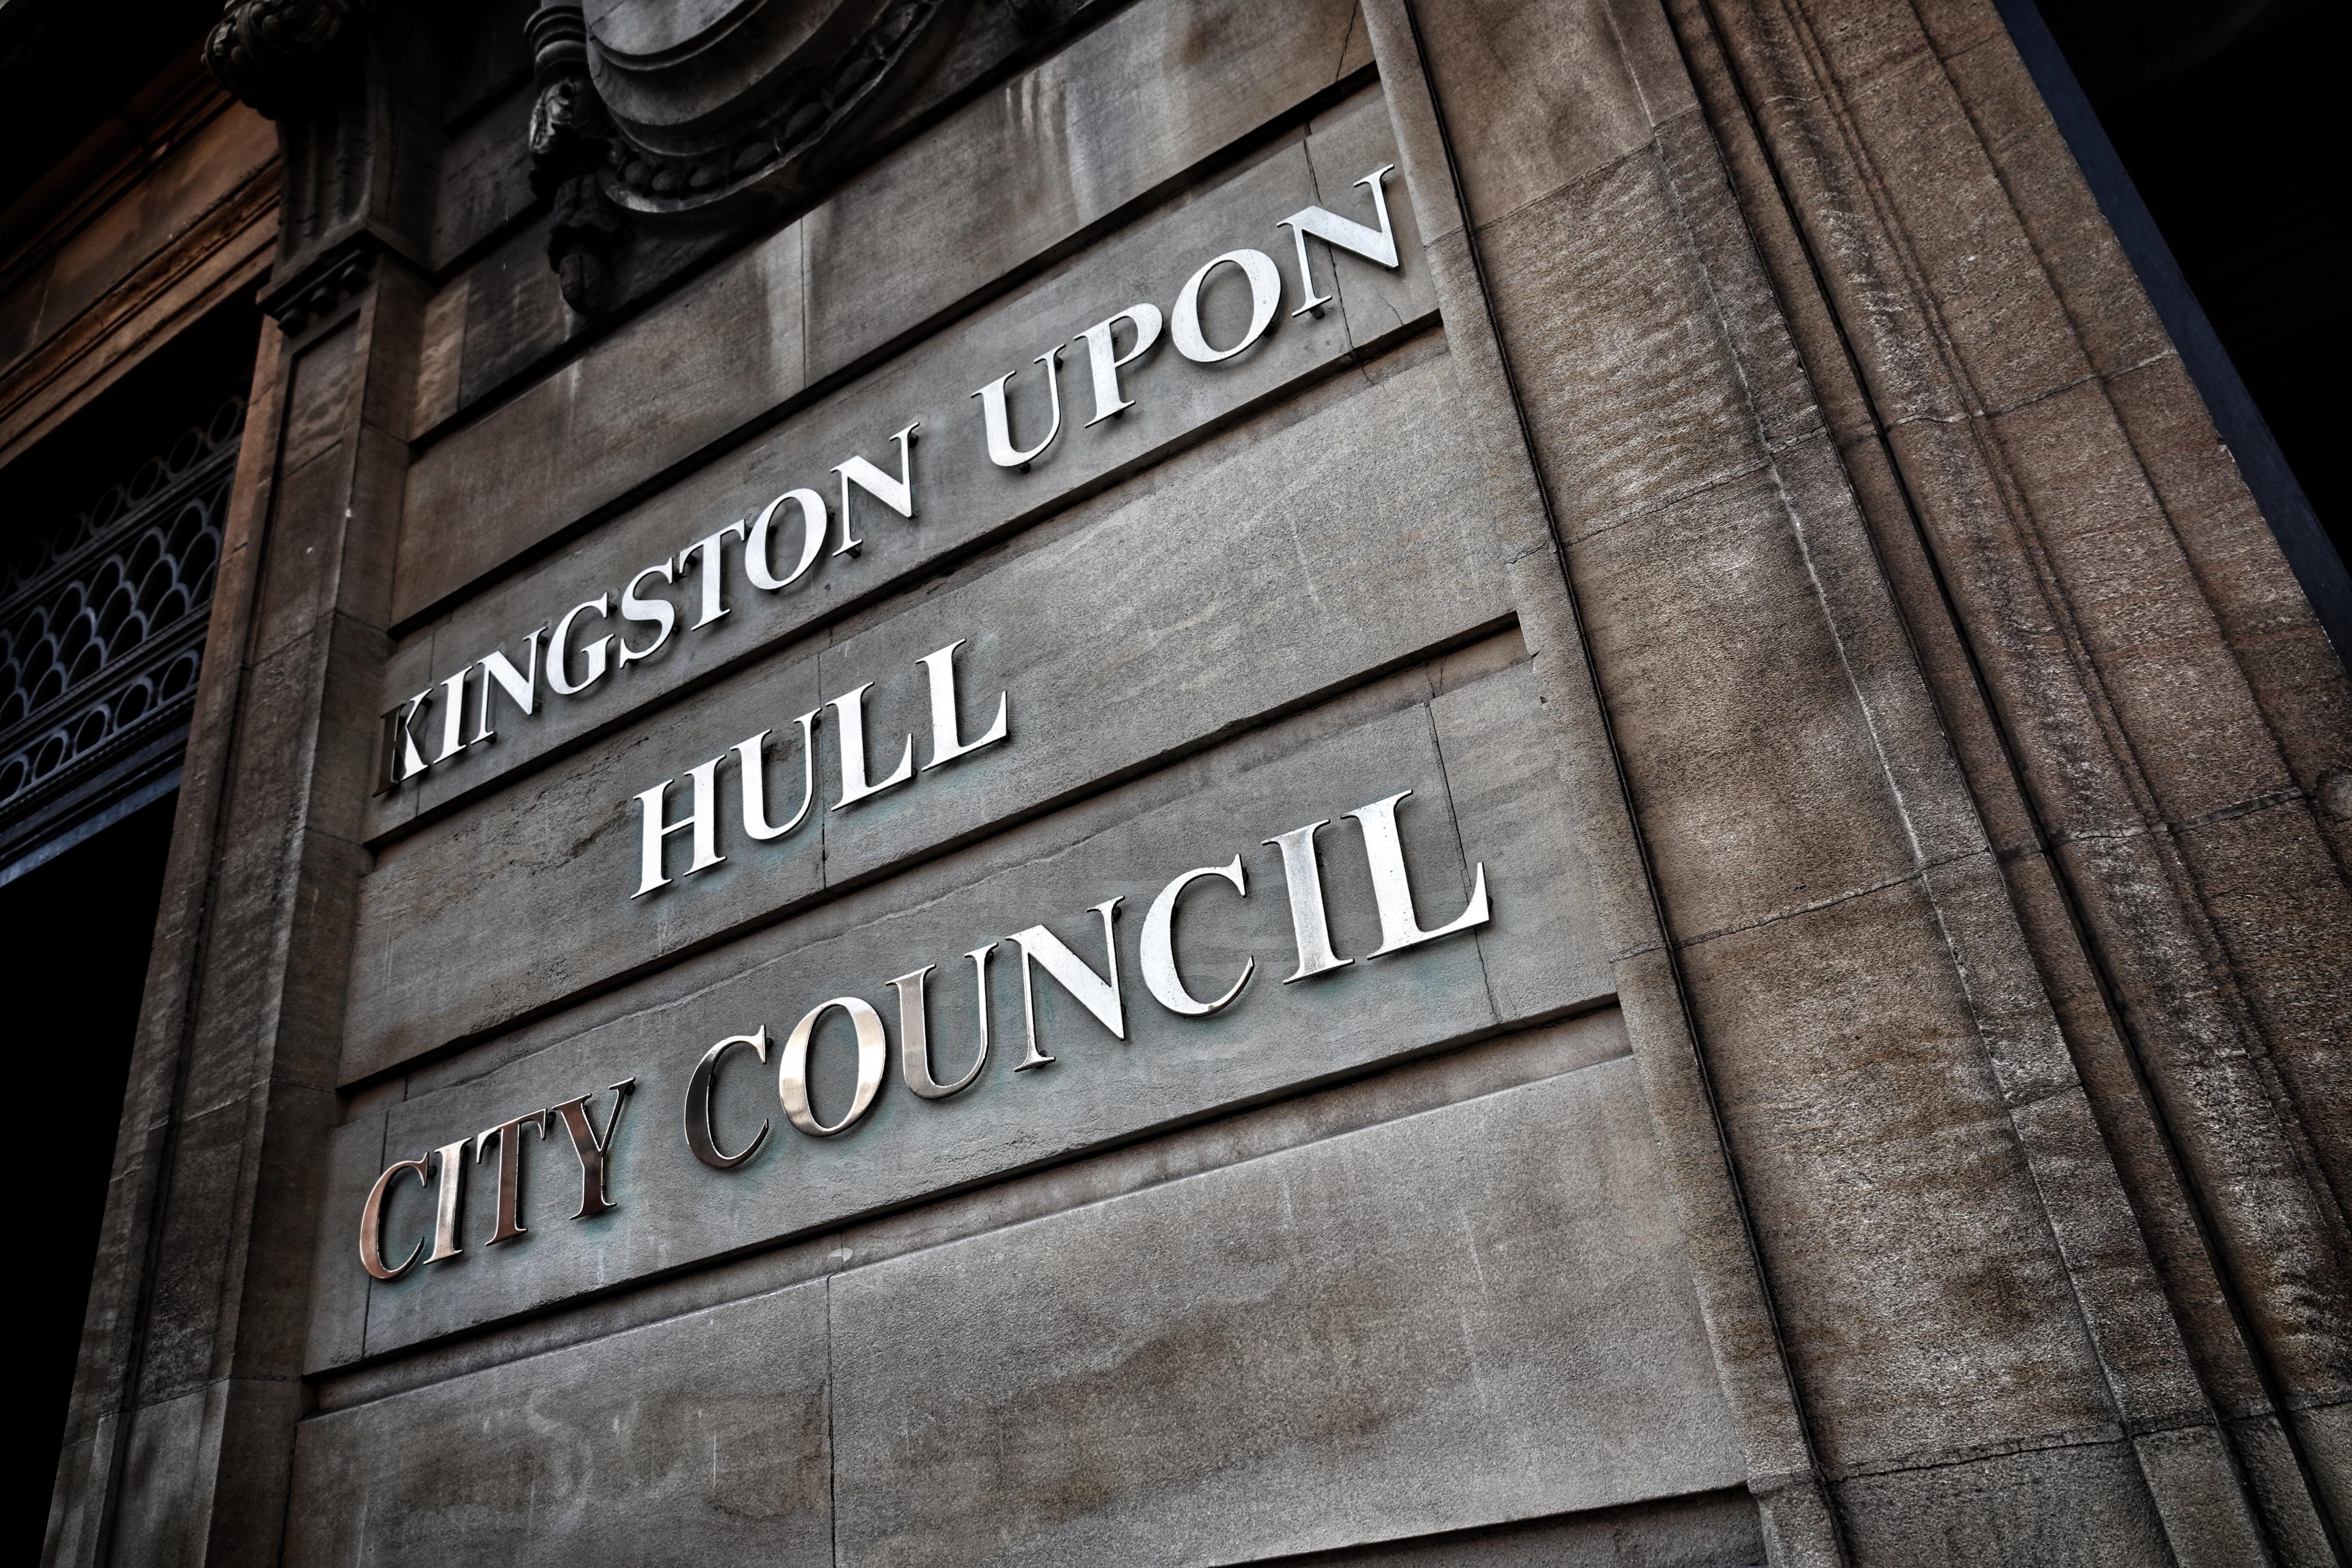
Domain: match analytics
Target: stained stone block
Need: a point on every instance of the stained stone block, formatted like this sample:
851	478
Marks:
961	499
1255	576
2078	1506
1539	957
701	1439
1472	1315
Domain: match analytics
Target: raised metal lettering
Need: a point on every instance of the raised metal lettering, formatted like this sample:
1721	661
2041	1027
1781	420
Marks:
897	494
1097	995
1375	245
945	745
792	1072
915	1030
700	1136
999	421
1265	297
1105	362
1159	975
1309	926
595	1152
1392	891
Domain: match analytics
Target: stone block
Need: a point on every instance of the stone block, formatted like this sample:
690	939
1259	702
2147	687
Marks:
701	1439
1249	580
1632	395
1535	95
1033	164
2078	1505
485	175
1757	779
961	499
1716	1529
1925	1307
1479	1314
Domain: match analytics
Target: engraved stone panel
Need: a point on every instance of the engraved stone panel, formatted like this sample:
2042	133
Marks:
1537	957
1281	564
961	499
701	1438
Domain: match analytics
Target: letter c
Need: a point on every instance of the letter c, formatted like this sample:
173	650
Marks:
700	1136
372	1222
1160	974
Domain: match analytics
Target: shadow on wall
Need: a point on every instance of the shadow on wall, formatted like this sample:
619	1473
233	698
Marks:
2227	116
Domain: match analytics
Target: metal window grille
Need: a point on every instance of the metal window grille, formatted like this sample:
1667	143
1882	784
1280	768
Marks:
102	619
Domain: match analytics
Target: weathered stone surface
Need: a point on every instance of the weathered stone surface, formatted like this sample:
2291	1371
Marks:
1256	575
994	190
701	1439
1536	959
2082	1505
1717	1530
1361	1338
961	499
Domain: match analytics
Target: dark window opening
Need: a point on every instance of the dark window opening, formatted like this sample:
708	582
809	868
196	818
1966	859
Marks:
2210	133
77	930
110	539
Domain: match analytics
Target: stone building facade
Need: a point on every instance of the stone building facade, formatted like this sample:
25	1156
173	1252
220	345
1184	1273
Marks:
1186	781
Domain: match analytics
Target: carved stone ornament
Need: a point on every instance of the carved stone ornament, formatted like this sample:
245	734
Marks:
719	105
278	55
572	148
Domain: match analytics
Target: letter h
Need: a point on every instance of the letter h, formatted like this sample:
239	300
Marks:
703	819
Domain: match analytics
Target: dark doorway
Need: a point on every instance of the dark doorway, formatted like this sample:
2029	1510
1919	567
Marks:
77	931
2224	117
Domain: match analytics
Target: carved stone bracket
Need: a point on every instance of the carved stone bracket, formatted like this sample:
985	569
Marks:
282	57
572	143
694	115
317	289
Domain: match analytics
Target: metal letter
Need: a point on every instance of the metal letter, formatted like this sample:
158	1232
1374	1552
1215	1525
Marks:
652	612
509	1137
754	770
1373	245
703	819
595	1153
449	1174
915	1029
1309	928
791	1073
453	716
755	548
1160	976
1101	360
372	1222
559	650
700	1136
945	746
1000	449
1392	889
1096	995
709	569
1265	297
897	494
522	688
853	785
402	760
